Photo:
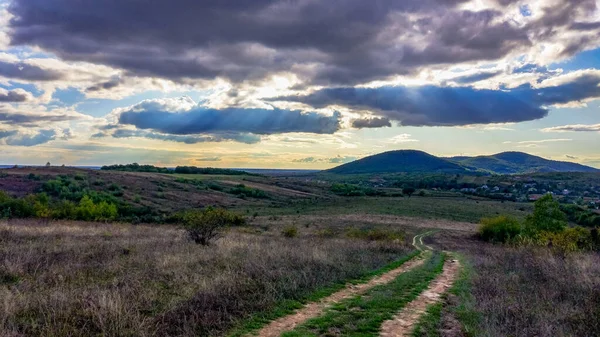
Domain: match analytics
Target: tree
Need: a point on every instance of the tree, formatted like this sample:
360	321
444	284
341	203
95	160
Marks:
48	164
408	191
204	226
547	216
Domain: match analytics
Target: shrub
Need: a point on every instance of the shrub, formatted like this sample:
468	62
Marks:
290	232
547	216
325	233
408	191
499	229
375	234
243	191
204	226
569	240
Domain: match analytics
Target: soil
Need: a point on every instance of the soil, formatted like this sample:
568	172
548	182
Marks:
403	323
311	310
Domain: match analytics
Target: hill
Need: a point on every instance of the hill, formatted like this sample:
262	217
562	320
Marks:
519	163
398	161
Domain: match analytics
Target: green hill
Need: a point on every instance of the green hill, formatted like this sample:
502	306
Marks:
398	161
518	163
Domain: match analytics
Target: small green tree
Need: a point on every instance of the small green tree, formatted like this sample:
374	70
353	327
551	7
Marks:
86	210
204	226
546	216
408	191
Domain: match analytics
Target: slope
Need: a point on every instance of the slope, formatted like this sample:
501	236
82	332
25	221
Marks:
398	161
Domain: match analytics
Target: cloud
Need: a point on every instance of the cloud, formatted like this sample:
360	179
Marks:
203	159
17	95
330	160
571	157
403	138
456	106
574	128
345	42
112	83
187	139
34	119
29	72
15	138
371	123
466	79
552	140
183	117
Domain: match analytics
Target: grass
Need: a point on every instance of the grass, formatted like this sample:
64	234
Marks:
525	291
364	314
82	279
430	324
284	308
450	208
456	312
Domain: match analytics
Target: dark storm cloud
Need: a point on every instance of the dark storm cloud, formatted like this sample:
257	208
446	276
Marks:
371	123
15	138
453	106
13	96
32	119
112	83
153	115
345	41
188	139
28	72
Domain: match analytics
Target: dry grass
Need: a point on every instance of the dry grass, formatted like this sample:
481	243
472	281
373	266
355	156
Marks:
531	291
81	279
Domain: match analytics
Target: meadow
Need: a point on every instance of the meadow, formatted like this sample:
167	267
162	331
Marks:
300	242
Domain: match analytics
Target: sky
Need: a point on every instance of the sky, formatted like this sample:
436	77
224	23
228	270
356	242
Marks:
305	84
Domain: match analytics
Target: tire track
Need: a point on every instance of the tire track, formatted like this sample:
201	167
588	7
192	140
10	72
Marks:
404	322
314	309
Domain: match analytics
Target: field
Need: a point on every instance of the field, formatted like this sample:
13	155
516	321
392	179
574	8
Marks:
302	244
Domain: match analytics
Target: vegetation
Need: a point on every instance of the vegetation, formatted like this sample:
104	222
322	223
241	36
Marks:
122	280
290	232
364	314
209	170
204	226
398	161
546	226
501	229
376	234
349	190
135	167
244	191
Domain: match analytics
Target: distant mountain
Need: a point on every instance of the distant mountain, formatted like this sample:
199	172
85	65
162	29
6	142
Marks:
413	161
398	161
518	163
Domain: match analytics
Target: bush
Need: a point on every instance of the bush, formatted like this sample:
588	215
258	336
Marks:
243	191
290	232
408	191
569	240
375	234
325	233
547	216
499	229
204	226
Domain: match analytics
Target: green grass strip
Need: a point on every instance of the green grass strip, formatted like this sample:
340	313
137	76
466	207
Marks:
430	324
289	306
463	309
363	315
